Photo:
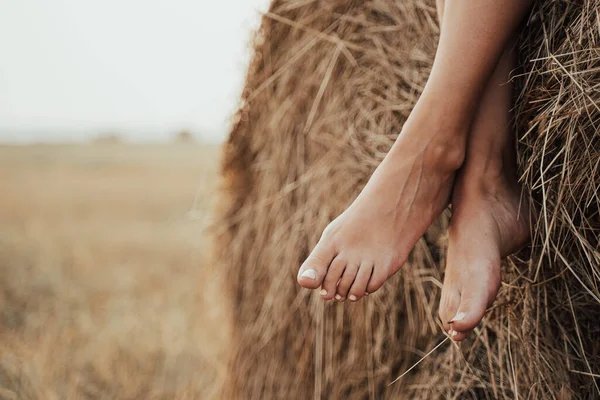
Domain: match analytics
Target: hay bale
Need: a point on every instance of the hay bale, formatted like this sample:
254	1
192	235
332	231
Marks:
329	87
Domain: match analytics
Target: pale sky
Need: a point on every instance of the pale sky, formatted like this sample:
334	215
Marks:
145	68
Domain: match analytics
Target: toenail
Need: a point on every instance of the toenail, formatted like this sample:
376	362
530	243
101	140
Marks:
338	297
323	292
309	273
353	297
459	317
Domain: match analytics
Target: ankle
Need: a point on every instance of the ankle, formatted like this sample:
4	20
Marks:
446	155
440	139
442	149
489	178
436	153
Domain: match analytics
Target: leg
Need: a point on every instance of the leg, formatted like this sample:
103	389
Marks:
488	221
371	240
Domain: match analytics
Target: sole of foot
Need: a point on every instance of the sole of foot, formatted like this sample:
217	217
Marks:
488	223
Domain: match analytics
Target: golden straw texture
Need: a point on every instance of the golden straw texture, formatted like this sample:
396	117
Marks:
330	84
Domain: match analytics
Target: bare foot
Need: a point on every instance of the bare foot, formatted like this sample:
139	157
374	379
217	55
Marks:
372	239
488	220
488	223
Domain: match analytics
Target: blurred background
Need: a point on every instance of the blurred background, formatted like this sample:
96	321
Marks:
111	116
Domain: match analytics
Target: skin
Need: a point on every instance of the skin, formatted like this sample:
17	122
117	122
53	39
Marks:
371	240
489	221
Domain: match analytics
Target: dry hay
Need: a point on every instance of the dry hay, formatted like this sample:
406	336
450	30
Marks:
329	87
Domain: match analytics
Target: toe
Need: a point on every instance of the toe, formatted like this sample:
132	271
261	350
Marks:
470	312
313	270
347	280
457	336
378	278
448	304
359	287
336	269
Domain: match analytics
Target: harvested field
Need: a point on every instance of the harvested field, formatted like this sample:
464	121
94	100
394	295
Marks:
102	260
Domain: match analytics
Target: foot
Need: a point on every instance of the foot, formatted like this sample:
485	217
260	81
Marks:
372	239
488	223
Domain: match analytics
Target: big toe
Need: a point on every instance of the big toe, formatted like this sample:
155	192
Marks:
473	303
313	270
448	305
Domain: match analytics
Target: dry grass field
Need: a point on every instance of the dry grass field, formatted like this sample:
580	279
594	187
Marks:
103	292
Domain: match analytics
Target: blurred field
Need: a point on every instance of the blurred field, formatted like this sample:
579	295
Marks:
102	282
